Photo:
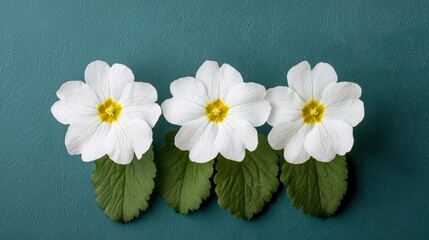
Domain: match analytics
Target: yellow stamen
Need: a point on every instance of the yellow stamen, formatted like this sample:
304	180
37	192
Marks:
217	111
109	111
313	112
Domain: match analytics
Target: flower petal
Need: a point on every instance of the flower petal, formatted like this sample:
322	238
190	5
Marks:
71	88
243	93
206	71
323	74
149	112
234	137
120	76
68	112
341	135
87	138
299	79
246	101
328	139
339	92
138	101
118	145
189	89
349	111
204	149
188	102
229	144
286	105
78	103
221	82
96	76
256	113
290	136
294	151
140	134
138	93
76	87
281	134
94	149
198	137
179	111
108	82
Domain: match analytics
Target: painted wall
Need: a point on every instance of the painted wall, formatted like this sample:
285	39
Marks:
381	45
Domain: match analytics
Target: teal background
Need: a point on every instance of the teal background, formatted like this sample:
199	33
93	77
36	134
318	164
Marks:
381	45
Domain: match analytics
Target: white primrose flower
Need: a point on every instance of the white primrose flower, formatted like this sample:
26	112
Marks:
218	113
108	114
315	115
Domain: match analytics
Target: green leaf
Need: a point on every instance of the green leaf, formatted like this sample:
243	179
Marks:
124	190
315	187
182	183
244	187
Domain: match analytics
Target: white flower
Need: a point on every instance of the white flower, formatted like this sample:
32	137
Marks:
217	112
315	115
109	114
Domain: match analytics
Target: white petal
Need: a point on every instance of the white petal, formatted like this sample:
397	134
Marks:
78	103
68	112
94	148
188	102
243	93
290	136
318	144
349	111
222	81
286	105
178	111
246	101
75	87
323	74
229	144
189	89
234	137
87	138
120	76
256	113
341	135
149	112
119	146
245	132
339	92
204	149
206	71
138	102
96	76
299	79
69	88
138	93
78	134
198	137
281	134
139	132
328	139
294	151
72	88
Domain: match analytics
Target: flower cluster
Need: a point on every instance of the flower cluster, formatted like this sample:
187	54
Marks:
217	111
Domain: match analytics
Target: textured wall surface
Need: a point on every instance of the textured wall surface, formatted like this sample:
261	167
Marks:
381	45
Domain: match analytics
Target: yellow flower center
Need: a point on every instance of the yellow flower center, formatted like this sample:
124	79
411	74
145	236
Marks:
217	111
312	112
109	111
